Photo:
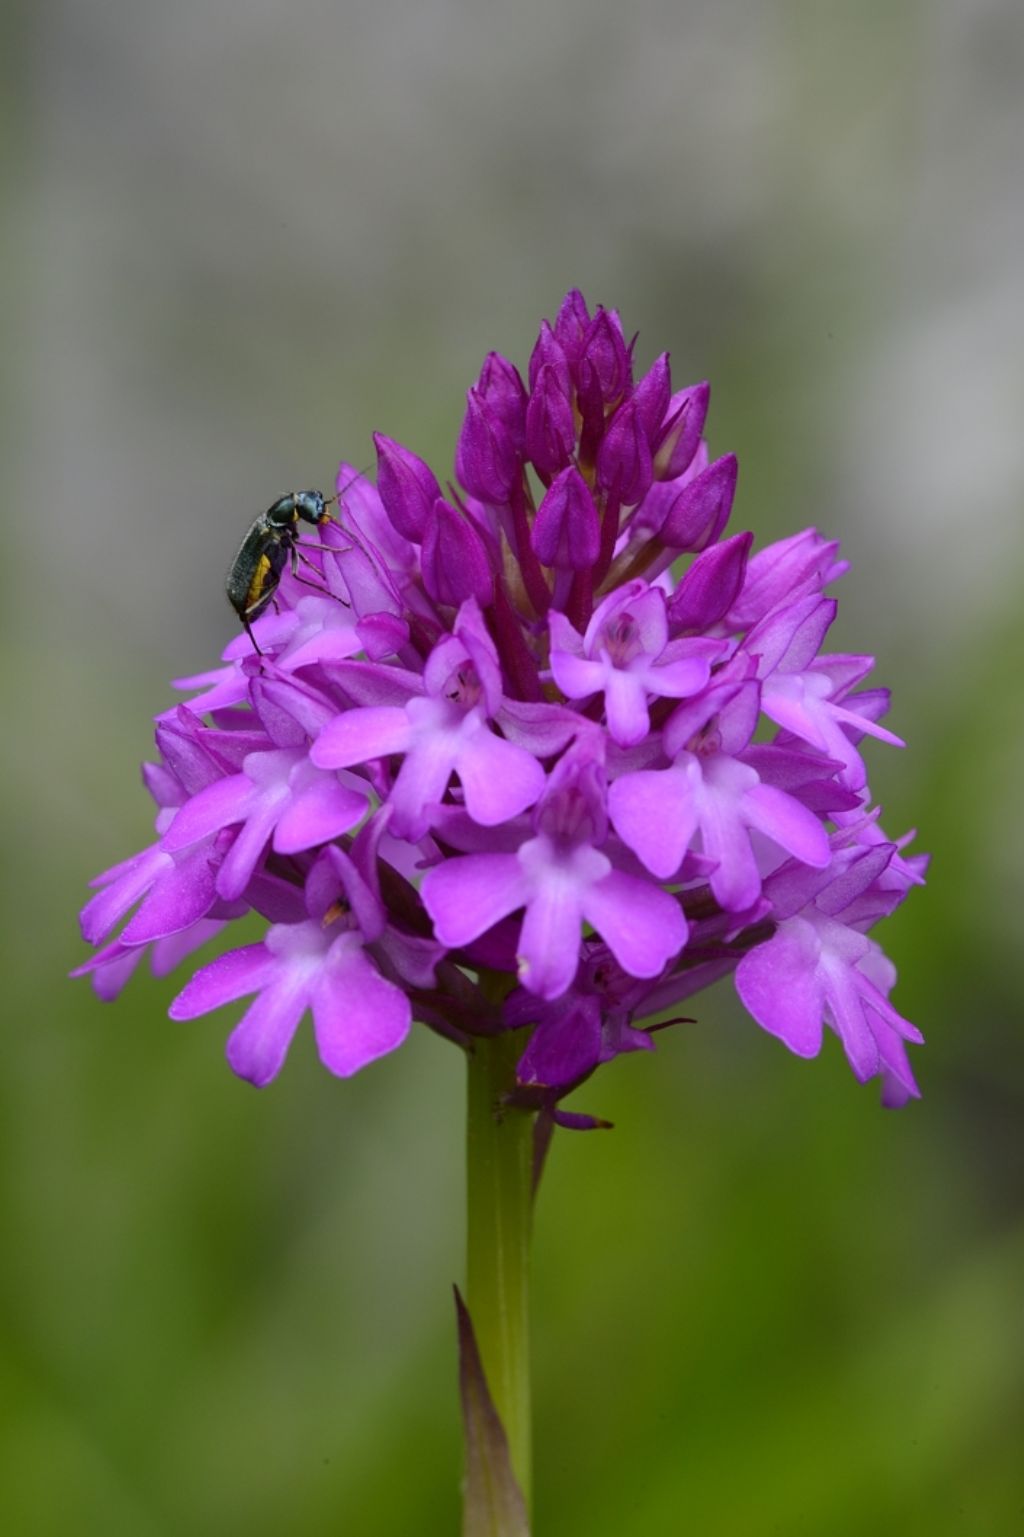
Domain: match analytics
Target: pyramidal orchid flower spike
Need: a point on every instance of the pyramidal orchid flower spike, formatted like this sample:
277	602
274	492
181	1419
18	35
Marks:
546	753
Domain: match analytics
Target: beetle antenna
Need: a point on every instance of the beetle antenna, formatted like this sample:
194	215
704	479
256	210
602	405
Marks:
330	500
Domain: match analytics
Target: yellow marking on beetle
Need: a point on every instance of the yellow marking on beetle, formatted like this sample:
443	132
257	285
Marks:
258	579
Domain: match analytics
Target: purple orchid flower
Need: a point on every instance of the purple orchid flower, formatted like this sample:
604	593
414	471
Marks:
505	748
321	965
442	731
627	656
819	968
563	879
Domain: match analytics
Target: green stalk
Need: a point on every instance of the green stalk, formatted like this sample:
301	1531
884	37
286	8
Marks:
499	1165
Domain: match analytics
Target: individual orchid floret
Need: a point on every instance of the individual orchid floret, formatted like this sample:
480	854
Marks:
279	796
709	791
501	389
605	352
818	969
804	692
174	891
562	878
626	655
574	1034
783	572
651	396
571	327
321	965
706	591
442	731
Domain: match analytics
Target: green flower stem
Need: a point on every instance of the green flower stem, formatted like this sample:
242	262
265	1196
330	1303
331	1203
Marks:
499	1164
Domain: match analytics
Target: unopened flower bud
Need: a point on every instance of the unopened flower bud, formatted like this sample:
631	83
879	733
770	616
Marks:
548	349
624	458
407	487
567	531
604	347
701	510
500	386
677	441
571	325
485	457
652	395
455	564
711	586
550	427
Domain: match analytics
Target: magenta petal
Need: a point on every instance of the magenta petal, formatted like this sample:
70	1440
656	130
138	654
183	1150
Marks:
642	926
320	812
563	1049
465	897
132	878
357	1014
679	679
421	783
359	735
229	977
110	968
182	895
782	818
654	813
549	942
499	779
779	985
225	801
259	1043
846	1009
577	676
245	853
625	700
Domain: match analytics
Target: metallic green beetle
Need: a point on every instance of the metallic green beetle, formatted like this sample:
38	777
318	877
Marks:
267	548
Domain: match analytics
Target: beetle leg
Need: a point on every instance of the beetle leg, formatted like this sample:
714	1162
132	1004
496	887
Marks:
248	630
316	586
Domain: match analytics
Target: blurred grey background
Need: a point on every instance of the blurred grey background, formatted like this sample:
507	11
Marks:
238	238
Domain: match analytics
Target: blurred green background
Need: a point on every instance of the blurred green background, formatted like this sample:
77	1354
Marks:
238	238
